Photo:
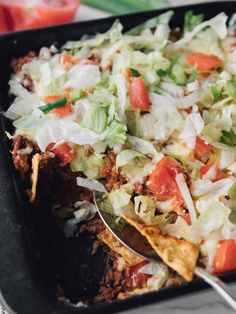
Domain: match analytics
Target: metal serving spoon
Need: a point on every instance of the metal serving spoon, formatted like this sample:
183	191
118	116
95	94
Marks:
139	245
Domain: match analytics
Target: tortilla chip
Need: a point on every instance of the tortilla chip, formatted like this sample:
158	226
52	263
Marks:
178	254
125	294
107	237
34	178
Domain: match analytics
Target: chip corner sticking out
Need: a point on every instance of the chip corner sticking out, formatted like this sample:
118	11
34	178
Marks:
178	254
107	237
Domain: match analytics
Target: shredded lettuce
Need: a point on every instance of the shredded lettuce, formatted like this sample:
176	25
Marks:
119	80
56	84
116	133
232	191
180	103
229	230
158	279
217	23
95	119
186	196
120	199
112	34
205	186
208	248
194	125
55	131
212	134
142	146
91	165
125	156
145	208
212	218
84	211
191	20
163	120
83	76
24	102
148	63
160	19
226	158
90	184
181	229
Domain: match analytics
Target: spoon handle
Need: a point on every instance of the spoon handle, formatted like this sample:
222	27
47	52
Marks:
220	287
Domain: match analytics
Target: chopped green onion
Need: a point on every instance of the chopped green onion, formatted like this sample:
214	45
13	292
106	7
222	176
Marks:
173	62
172	76
75	95
73	51
215	92
52	105
161	73
151	23
193	76
191	20
228	138
135	72
231	88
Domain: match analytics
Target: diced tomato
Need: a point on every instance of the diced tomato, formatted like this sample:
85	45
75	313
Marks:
187	219
233	46
137	279
25	14
139	94
64	152
219	173
4	27
68	59
61	111
201	148
162	181
204	62
52	98
225	257
188	110
128	75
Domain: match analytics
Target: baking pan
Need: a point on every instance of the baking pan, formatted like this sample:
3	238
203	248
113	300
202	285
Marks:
33	252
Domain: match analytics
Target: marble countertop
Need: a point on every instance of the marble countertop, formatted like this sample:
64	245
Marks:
205	302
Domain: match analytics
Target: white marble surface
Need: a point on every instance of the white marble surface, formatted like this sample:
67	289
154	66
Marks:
205	302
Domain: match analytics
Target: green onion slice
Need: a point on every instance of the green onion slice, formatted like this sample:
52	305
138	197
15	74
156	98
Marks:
161	73
215	92
228	138
52	105
135	72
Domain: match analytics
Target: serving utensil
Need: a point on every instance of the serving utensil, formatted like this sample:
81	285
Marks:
138	244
